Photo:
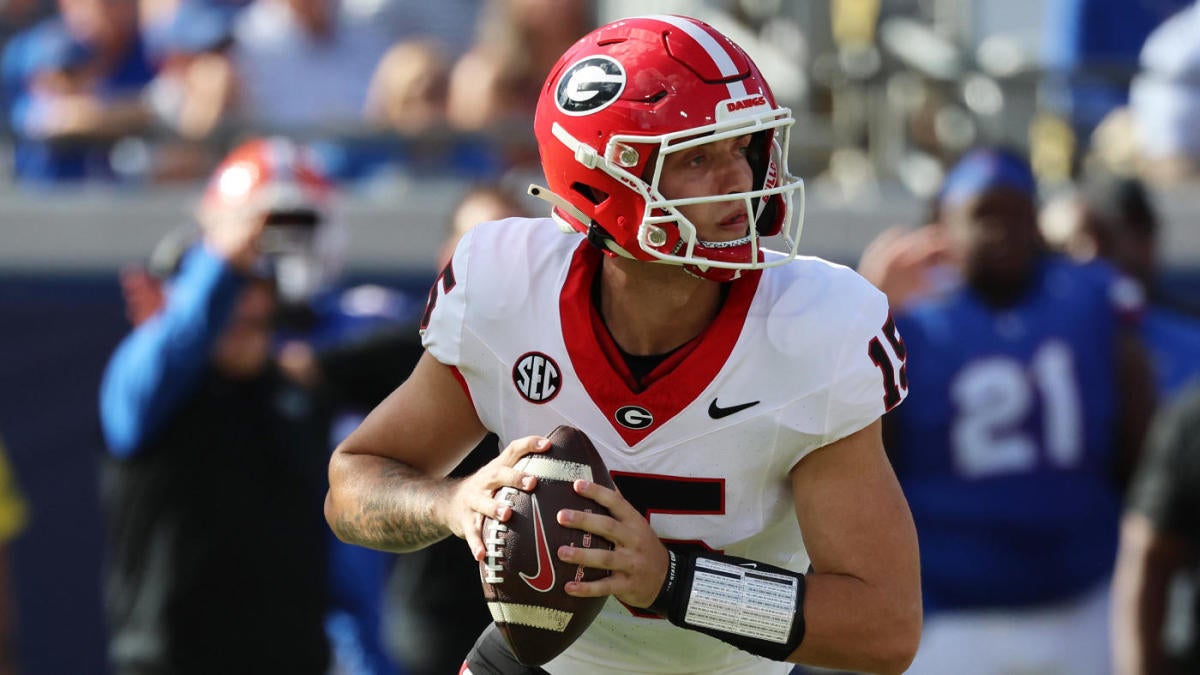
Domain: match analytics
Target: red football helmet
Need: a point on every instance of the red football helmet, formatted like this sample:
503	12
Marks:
629	94
276	178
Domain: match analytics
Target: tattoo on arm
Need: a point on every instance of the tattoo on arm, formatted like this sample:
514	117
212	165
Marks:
397	511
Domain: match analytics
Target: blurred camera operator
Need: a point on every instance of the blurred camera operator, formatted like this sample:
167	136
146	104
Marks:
218	558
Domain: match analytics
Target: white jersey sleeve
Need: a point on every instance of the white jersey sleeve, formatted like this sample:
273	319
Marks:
871	376
502	282
861	369
445	314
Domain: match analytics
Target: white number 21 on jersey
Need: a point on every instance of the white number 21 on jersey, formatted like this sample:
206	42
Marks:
995	398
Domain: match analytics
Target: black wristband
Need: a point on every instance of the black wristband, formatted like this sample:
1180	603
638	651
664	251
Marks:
670	585
769	619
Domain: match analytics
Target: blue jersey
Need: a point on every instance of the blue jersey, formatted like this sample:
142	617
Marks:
358	576
1173	340
1005	446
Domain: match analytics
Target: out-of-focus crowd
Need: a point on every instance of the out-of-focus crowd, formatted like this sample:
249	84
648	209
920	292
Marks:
153	91
149	91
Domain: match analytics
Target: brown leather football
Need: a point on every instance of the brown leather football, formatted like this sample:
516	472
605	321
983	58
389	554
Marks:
522	575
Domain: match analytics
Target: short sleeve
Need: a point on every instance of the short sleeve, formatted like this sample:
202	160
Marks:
870	375
442	323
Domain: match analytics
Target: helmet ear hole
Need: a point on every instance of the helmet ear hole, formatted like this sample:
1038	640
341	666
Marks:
759	156
593	195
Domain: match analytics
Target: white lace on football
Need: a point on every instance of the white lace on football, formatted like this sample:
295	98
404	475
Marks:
554	469
546	618
493	540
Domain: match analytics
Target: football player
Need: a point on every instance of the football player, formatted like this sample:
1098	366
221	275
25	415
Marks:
1029	396
735	393
269	211
1114	218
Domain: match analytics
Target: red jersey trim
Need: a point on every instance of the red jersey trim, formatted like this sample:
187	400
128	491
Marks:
676	382
462	382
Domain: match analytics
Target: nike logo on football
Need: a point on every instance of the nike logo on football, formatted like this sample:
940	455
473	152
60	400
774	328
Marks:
717	412
543	579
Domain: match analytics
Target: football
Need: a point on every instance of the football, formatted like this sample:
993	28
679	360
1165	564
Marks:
521	573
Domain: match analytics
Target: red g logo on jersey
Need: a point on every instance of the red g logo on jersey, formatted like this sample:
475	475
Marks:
537	377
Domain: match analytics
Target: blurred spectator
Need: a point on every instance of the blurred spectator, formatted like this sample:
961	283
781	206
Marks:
436	606
195	86
480	204
408	89
494	86
13	515
304	65
1028	396
1165	99
1091	49
346	347
216	553
407	130
16	15
73	83
445	22
1113	218
1160	541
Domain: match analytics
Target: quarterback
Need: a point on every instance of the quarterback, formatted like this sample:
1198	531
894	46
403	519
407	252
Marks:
735	393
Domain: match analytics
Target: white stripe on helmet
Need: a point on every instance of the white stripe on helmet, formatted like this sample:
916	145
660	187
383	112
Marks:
715	50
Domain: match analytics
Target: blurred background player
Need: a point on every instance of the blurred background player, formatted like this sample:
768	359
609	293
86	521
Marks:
216	559
1027	404
343	348
1113	218
1156	609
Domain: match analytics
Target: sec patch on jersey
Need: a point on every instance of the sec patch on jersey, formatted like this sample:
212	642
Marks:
521	573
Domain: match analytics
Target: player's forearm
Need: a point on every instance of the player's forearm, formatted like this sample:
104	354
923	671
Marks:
1137	630
853	626
1140	587
384	504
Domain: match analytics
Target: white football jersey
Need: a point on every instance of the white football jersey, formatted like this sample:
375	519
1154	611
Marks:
799	356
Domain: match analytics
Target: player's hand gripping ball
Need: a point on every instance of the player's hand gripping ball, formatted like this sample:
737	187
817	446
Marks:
522	575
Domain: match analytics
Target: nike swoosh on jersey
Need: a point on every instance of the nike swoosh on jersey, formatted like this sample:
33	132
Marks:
543	579
717	412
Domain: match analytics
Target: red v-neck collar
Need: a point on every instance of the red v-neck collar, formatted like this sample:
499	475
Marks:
673	384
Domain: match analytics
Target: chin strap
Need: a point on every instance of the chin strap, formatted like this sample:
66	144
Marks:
557	202
595	234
